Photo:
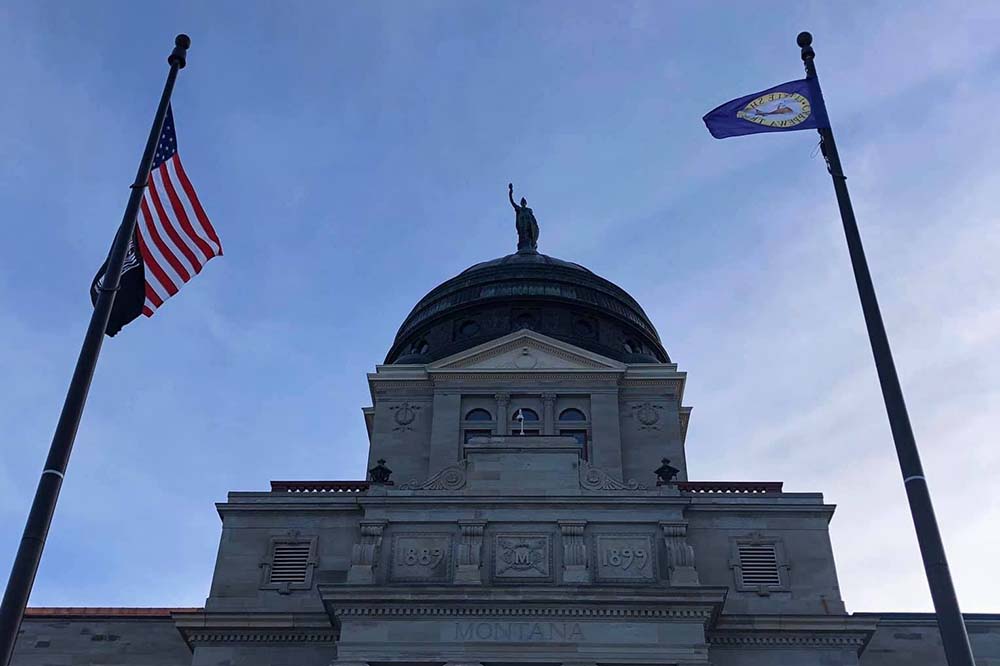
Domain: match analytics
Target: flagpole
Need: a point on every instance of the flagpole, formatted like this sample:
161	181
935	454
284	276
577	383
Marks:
957	650
29	552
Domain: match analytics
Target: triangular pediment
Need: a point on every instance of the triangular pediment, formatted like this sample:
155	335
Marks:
526	351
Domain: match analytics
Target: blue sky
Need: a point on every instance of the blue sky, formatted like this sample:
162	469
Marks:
354	155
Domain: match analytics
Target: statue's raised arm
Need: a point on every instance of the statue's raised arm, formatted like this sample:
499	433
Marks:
510	194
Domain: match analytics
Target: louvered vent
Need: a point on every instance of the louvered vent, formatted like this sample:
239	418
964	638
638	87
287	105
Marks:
759	565
290	563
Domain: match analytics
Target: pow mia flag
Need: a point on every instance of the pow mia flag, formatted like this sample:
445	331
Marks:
131	289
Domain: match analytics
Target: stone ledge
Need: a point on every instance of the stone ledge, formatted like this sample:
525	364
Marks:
201	627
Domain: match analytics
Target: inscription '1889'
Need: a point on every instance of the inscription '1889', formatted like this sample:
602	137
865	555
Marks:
518	631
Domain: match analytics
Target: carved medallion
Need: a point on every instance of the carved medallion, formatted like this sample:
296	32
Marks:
522	557
647	414
404	415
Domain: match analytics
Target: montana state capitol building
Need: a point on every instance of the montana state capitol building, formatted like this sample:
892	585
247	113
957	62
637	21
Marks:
528	503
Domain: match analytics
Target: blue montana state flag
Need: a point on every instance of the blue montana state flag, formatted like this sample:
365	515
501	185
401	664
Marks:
795	105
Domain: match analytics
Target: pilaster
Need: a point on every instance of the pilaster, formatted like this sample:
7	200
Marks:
502	422
549	413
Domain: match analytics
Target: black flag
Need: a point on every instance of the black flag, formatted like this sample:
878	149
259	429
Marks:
131	289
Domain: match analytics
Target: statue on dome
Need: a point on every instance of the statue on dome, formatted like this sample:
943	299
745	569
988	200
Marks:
527	226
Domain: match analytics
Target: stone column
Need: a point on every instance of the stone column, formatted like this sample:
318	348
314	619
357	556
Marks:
574	551
680	555
502	422
549	414
364	555
468	569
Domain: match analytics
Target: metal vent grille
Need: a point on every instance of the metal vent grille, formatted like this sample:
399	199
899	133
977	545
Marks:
290	563
759	565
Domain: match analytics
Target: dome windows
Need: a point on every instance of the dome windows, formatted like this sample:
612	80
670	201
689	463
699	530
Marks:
572	414
478	415
420	347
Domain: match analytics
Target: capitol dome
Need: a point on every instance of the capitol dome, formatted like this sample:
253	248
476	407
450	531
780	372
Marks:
557	298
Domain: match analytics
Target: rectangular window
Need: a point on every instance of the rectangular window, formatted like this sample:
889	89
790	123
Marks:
758	565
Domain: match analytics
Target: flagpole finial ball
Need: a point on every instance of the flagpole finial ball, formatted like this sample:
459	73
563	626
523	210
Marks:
182	41
804	39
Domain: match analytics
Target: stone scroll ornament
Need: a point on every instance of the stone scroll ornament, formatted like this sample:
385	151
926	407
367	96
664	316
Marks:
595	478
449	478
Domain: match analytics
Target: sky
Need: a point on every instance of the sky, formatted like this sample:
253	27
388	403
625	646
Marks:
354	155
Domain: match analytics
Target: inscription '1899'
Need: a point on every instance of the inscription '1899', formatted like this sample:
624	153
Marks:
518	631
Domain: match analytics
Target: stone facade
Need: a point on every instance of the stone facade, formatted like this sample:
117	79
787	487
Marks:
523	523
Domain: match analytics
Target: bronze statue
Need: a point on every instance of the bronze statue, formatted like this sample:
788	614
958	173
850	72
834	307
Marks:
527	226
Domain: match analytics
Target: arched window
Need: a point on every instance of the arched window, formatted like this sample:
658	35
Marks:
419	347
572	414
528	414
478	415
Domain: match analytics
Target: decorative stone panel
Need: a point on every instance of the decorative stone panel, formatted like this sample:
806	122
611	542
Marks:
624	558
522	558
420	558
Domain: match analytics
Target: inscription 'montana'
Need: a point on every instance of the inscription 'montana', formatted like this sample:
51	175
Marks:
518	631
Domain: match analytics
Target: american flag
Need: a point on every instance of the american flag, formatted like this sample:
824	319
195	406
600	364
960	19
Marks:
174	235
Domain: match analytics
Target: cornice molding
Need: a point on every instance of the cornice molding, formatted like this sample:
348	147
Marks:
560	376
502	611
254	636
207	628
788	640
